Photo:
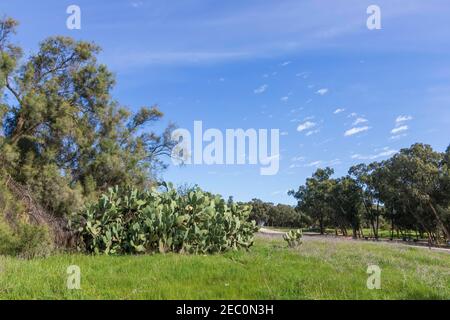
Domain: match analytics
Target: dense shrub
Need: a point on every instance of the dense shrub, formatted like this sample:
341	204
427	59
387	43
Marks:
17	236
131	221
25	240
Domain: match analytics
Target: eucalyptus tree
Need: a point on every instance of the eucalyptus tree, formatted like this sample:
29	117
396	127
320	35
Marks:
418	175
313	198
370	183
347	200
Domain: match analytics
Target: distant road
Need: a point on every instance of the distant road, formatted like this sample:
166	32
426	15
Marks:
307	236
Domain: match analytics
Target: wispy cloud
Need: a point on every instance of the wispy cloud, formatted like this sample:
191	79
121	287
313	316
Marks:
303	75
286	63
284	99
387	152
355	130
314	163
322	91
261	89
401	119
399	129
306	125
309	133
298	159
173	58
398	136
339	110
251	30
322	163
137	4
359	121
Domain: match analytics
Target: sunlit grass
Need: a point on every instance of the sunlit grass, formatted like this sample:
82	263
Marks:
319	269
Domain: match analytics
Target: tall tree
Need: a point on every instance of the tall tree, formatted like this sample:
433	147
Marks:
347	199
369	183
314	197
63	134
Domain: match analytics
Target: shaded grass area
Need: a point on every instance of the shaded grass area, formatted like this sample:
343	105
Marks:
319	269
367	232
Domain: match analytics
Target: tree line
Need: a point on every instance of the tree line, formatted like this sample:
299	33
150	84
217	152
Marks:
408	192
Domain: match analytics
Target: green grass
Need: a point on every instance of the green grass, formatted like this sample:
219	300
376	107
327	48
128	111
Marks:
319	269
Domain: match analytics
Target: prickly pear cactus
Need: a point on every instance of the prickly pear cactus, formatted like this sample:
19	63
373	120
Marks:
293	238
130	221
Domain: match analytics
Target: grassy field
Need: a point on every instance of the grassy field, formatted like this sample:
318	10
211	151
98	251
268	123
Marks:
319	269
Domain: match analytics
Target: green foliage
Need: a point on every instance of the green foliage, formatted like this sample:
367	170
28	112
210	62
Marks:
280	215
25	240
314	197
293	238
410	191
63	135
131	221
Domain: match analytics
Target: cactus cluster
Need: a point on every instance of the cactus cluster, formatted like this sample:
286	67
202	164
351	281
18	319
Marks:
128	221
293	238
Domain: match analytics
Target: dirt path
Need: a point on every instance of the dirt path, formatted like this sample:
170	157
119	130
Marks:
308	236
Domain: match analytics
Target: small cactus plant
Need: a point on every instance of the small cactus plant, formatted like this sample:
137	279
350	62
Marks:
293	238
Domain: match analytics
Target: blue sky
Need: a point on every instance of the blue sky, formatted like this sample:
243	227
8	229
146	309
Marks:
339	93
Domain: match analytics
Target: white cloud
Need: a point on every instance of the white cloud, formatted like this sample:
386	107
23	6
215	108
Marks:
398	136
298	159
334	162
284	64
401	119
314	164
359	121
130	59
284	99
322	91
306	125
339	110
355	130
351	115
385	153
304	75
309	133
284	133
323	163
261	89
399	129
136	4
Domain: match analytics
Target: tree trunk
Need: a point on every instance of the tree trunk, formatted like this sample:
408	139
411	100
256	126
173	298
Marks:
447	234
321	224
